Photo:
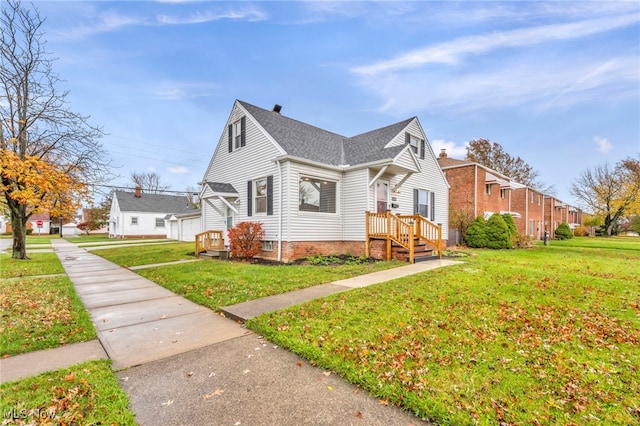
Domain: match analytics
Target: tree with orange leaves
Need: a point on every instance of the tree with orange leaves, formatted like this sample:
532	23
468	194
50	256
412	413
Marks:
49	155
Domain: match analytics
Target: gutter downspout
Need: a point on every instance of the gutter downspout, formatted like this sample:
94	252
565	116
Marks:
280	210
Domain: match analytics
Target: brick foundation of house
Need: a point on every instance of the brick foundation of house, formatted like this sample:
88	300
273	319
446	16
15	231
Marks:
140	236
300	249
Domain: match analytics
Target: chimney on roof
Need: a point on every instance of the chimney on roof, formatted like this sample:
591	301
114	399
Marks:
138	191
277	108
443	153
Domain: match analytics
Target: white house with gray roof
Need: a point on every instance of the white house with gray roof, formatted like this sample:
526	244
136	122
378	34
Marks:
310	188
136	214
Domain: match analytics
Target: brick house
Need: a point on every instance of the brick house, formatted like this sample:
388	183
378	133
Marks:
530	204
475	191
557	212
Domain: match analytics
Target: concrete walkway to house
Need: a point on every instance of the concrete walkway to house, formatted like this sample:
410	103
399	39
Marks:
181	363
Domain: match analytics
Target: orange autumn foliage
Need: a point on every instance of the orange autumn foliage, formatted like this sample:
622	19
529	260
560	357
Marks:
40	185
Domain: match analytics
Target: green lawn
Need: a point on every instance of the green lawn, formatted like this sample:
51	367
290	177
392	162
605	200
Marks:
41	313
545	336
148	254
221	283
85	394
37	264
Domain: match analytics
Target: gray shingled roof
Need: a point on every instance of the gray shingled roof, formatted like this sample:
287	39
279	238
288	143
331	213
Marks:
312	143
153	203
221	187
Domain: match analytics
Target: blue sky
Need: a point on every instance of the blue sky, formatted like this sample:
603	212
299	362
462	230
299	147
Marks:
556	83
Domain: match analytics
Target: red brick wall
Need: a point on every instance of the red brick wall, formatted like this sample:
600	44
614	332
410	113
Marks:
301	249
529	211
461	193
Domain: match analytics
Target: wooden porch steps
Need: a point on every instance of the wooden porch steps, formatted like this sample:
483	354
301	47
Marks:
422	252
212	254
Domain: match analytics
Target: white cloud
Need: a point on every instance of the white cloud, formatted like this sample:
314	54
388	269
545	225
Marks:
179	170
603	144
250	14
454	51
453	150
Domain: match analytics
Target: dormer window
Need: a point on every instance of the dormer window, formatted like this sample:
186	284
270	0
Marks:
237	134
417	144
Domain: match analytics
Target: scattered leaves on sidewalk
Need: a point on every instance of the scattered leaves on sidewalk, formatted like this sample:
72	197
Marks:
216	392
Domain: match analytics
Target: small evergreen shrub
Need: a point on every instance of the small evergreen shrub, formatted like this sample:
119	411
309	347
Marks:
498	234
564	232
245	240
476	233
511	224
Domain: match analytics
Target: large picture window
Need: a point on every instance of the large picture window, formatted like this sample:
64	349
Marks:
317	195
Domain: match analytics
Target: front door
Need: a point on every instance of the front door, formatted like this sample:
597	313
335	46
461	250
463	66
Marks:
382	196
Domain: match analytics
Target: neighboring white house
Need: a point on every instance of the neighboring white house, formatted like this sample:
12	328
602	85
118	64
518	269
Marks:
310	188
183	227
136	214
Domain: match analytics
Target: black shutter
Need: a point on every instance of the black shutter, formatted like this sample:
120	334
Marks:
230	138
269	195
433	206
416	208
249	198
243	133
422	147
407	138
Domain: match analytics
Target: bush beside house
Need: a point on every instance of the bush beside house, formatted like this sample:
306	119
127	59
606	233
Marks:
564	232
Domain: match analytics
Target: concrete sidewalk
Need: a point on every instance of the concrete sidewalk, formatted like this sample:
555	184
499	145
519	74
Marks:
137	320
181	363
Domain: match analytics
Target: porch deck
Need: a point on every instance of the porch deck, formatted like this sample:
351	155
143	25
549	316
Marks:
410	232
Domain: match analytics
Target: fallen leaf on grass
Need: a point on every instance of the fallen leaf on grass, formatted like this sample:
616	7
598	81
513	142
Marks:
69	377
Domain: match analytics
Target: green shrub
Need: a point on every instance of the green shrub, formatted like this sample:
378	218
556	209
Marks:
564	232
498	234
511	224
477	234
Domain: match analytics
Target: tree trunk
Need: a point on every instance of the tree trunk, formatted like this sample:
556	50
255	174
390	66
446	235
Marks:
19	227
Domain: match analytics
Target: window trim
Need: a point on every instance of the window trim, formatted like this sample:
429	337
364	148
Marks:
256	196
336	194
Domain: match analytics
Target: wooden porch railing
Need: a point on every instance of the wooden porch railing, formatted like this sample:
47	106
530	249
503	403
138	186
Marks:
404	230
209	240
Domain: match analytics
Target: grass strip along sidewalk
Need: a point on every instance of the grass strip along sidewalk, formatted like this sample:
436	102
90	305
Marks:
549	335
45	313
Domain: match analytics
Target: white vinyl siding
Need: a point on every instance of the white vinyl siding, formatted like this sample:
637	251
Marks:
355	203
254	161
313	226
